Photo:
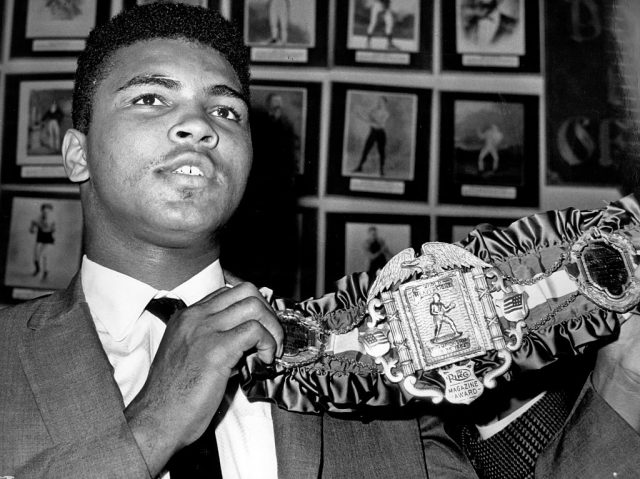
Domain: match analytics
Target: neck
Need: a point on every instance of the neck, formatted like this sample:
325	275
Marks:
162	267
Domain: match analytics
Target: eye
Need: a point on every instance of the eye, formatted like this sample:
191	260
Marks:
149	99
226	112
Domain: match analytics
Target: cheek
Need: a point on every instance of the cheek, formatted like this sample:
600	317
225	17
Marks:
235	154
111	163
242	175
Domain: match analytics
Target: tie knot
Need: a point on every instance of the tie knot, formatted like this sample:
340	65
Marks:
165	308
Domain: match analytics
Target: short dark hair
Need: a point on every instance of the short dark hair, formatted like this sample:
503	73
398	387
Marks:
147	22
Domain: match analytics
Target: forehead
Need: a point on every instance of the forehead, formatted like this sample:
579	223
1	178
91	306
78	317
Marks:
171	57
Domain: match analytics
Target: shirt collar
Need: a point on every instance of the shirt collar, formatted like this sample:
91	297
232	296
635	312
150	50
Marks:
117	300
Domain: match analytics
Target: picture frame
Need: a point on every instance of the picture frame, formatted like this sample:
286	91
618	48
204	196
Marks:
304	40
480	36
211	4
452	229
285	116
590	134
397	35
350	239
33	139
41	240
43	28
379	141
489	149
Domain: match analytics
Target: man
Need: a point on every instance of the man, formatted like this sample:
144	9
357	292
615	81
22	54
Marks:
99	386
381	8
601	436
377	118
492	137
439	312
44	227
376	250
581	417
486	22
279	21
51	122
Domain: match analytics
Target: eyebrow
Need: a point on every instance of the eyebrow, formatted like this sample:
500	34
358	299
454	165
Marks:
225	90
159	80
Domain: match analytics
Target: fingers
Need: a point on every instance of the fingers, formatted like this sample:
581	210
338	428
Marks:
227	308
248	310
227	295
252	335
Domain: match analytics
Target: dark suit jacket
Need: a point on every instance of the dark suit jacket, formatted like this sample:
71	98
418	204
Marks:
61	413
594	443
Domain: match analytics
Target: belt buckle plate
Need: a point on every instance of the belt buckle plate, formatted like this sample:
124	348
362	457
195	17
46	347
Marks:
435	311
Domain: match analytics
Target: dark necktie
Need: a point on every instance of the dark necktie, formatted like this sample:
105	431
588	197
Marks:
165	308
198	460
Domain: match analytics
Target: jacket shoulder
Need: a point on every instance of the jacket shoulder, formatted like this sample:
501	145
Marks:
15	318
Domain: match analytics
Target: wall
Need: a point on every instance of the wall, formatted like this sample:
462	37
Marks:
327	207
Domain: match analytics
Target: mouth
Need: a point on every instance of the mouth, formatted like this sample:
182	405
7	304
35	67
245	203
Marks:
190	170
190	165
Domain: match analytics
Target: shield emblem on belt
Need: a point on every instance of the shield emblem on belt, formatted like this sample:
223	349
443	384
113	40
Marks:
603	266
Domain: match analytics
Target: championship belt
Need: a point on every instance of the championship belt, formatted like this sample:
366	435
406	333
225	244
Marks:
444	324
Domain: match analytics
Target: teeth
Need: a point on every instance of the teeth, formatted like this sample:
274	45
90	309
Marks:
189	170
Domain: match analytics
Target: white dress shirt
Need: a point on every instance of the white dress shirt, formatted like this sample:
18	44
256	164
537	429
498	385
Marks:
494	427
130	336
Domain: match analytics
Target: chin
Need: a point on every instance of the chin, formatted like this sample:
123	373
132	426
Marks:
193	227
179	238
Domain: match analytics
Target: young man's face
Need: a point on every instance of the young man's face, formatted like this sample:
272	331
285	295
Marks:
169	146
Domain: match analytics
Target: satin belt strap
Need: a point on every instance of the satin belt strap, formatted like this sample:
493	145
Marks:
446	324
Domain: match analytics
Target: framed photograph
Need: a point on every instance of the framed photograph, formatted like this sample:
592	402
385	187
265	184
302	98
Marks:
285	120
491	35
589	130
372	120
284	32
384	25
44	115
54	27
212	4
42	243
365	242
384	33
489	149
34	138
379	144
452	229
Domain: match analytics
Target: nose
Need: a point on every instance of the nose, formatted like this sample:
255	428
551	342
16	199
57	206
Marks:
194	129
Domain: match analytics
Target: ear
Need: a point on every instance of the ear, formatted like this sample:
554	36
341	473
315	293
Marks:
74	156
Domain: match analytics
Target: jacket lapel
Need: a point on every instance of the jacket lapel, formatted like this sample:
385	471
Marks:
298	443
70	375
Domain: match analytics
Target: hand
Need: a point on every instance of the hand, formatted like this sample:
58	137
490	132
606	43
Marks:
616	376
198	353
